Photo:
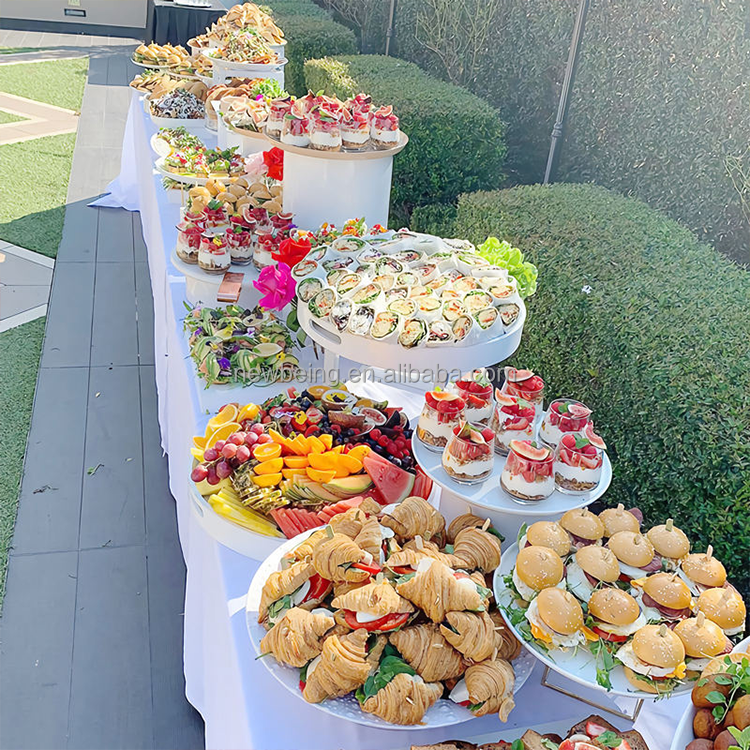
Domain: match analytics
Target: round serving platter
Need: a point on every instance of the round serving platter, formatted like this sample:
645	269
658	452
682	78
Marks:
189	179
150	67
344	154
443	714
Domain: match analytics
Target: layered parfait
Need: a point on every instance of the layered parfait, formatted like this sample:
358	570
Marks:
564	415
578	461
526	385
441	413
189	232
512	419
468	456
214	255
384	131
476	389
528	472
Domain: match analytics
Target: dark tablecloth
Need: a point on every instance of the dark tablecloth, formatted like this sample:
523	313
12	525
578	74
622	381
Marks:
177	23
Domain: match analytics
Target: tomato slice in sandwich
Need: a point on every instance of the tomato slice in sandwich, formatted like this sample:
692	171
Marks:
612	638
372	569
388	622
318	587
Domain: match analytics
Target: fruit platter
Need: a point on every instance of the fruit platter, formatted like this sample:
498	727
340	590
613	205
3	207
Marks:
499	451
617	606
347	617
235	346
289	464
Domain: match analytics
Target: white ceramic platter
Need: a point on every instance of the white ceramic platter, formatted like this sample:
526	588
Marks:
443	714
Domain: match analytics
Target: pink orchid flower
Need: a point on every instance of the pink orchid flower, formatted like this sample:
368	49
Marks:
277	286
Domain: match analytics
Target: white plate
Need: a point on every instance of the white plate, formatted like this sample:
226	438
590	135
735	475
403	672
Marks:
193	125
684	734
186	179
443	714
150	67
491	496
579	666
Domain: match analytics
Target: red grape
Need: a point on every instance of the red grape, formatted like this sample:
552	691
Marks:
250	438
199	473
238	438
223	470
213	477
264	439
243	454
229	450
211	454
219	444
257	429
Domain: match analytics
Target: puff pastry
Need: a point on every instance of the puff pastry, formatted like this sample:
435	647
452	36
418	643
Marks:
297	637
348	523
283	582
491	682
477	549
507	645
466	521
413	551
330	558
428	652
370	507
437	591
415	517
304	550
343	667
369	538
404	700
471	633
378	599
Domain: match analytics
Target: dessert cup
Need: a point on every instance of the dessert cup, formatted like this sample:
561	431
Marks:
265	244
241	244
528	473
441	413
578	463
468	457
476	390
213	255
325	134
512	419
564	415
296	131
526	385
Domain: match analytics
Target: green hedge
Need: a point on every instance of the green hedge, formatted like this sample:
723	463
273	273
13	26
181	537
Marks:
306	8
658	348
439	219
456	141
660	101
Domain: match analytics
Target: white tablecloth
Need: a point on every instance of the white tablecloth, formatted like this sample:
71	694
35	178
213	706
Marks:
242	705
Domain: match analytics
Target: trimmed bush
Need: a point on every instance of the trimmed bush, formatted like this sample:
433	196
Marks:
439	219
456	141
659	106
649	327
305	8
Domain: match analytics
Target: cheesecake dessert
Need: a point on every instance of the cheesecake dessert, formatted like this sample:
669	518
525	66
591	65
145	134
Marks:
355	129
442	412
240	240
528	472
214	255
526	385
361	104
189	232
384	130
512	419
215	218
578	462
278	109
468	456
296	130
476	389
264	246
325	131
564	415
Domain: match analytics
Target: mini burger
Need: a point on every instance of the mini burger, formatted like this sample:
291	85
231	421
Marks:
703	640
725	607
635	554
583	527
619	519
653	659
547	534
664	596
592	567
701	571
615	614
669	542
537	568
556	620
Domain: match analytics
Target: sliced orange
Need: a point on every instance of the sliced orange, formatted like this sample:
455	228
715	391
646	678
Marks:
318	475
273	466
323	461
227	414
315	444
338	449
359	451
296	462
222	433
291	473
277	437
249	411
351	463
267	480
266	451
327	440
300	445
199	441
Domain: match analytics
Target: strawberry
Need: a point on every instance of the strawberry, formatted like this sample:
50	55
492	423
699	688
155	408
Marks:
589	463
488	435
589	450
518	424
474	401
569	441
529	475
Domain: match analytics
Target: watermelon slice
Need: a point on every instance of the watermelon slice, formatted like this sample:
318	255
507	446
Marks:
293	521
393	483
329	511
422	485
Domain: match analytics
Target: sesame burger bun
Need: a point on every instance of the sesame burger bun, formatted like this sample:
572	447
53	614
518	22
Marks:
724	606
598	562
704	569
583	523
668	590
669	541
658	646
637	681
614	606
632	548
549	534
618	519
560	610
539	567
718	665
701	637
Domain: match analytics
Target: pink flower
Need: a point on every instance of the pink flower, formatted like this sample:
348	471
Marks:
255	167
277	286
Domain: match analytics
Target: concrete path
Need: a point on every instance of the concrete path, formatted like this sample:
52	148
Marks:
40	120
91	629
25	280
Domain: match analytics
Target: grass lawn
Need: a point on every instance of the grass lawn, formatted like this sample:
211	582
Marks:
58	82
19	355
18	50
6	117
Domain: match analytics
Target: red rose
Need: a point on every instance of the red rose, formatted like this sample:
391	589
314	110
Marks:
292	251
274	160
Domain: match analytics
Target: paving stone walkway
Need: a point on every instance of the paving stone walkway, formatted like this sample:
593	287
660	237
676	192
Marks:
39	119
25	280
91	627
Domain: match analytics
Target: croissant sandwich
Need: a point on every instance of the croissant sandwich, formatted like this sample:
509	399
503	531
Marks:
278	590
428	652
338	558
304	550
470	633
297	637
369	538
507	645
415	517
341	667
348	523
404	700
376	607
490	686
406	560
477	549
459	523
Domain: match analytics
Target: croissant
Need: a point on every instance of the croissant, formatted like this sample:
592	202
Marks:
459	523
491	683
507	645
427	651
342	587
343	667
471	633
375	599
297	637
349	523
341	627
415	517
412	553
404	700
304	550
369	538
479	550
283	582
437	591
375	651
370	507
331	557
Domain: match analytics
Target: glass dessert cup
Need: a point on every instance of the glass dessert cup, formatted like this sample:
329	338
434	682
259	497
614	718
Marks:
188	242
512	419
241	246
578	462
214	256
526	385
263	248
441	413
355	133
325	134
476	390
277	110
564	415
528	473
215	219
468	457
296	131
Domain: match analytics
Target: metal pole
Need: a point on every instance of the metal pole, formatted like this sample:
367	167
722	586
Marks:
558	129
389	33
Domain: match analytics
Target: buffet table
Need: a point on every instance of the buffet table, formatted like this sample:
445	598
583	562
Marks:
242	705
175	23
